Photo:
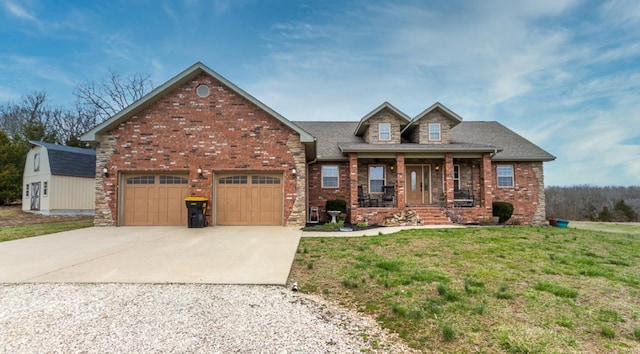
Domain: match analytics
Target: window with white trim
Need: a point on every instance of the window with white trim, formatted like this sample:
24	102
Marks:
376	179
330	176
505	176
45	189
384	131
456	177
434	132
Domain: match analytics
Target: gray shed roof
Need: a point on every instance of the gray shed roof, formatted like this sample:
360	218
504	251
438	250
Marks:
69	161
514	147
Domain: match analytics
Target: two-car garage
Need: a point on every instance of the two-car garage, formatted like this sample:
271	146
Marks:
239	199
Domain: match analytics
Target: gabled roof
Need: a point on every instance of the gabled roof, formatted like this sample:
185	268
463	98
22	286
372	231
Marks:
335	141
69	161
447	112
160	91
514	147
385	105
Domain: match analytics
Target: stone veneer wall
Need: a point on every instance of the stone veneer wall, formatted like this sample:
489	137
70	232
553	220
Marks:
384	116
540	216
182	131
445	125
105	190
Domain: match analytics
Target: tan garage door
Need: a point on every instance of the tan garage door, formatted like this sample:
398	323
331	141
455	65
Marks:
249	199
155	199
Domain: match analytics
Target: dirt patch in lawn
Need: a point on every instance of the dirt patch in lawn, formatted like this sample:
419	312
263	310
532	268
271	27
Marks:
12	215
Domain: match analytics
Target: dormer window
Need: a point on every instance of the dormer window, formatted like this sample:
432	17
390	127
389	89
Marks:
435	132
384	131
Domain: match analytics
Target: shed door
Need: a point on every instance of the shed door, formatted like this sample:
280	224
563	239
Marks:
35	196
155	199
249	199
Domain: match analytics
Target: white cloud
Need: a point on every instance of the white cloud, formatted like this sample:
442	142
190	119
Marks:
19	11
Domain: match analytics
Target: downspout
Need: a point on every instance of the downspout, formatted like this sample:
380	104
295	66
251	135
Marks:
306	202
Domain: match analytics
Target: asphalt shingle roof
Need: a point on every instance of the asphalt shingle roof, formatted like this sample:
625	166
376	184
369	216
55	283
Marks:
328	135
514	147
69	161
335	137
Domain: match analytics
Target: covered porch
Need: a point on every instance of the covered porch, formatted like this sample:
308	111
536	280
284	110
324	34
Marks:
440	187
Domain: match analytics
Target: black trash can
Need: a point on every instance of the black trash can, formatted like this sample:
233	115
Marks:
196	211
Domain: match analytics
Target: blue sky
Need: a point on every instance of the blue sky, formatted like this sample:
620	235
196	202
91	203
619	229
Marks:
564	74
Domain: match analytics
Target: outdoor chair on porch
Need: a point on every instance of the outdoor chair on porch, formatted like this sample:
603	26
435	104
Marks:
463	198
389	195
362	199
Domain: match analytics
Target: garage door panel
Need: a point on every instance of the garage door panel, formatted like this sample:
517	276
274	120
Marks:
266	206
171	205
249	200
155	200
232	205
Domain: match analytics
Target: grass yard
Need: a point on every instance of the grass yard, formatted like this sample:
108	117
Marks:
497	289
8	233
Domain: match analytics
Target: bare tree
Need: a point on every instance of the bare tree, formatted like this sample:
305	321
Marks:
72	123
110	94
31	119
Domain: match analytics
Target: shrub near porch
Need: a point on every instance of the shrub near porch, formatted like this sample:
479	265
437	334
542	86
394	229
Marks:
510	289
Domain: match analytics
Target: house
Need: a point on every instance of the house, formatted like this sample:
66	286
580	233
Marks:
198	134
59	180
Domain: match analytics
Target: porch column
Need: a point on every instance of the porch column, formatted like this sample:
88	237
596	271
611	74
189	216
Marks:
353	180
448	181
486	175
400	181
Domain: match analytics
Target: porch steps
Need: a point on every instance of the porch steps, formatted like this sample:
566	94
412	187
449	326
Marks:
432	216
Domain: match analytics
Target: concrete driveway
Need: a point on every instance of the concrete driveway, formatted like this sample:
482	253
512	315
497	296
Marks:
160	254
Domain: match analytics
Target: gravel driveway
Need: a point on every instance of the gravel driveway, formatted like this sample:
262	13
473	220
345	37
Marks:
192	318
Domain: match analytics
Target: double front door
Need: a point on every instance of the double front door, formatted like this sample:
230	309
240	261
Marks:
418	184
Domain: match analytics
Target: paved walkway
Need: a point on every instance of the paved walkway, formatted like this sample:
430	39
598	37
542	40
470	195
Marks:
215	255
375	231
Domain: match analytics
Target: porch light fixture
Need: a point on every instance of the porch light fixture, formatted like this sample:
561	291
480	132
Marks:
294	172
392	167
437	167
200	175
105	172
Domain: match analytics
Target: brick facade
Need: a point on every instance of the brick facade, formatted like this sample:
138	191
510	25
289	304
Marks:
527	195
224	130
181	132
318	195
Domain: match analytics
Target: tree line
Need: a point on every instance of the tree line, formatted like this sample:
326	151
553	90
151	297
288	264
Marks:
585	202
34	118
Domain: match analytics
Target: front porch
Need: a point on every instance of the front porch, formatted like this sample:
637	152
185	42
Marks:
441	189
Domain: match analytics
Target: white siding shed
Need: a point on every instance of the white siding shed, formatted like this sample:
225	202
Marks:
59	180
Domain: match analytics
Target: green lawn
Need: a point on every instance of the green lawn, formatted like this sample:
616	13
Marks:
8	233
489	289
